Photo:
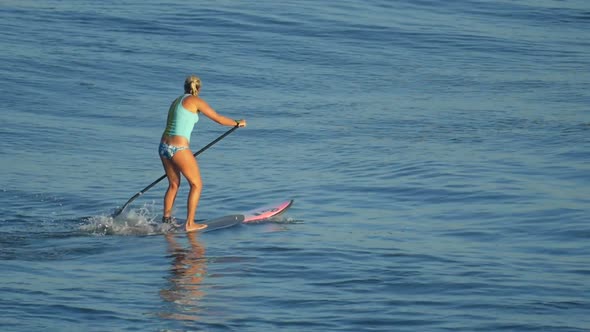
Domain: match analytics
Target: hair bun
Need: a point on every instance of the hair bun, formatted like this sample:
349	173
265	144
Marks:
192	84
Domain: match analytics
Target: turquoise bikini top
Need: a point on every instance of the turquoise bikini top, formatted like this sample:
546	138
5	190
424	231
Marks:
180	120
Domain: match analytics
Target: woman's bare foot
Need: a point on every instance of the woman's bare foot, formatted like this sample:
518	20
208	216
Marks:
191	227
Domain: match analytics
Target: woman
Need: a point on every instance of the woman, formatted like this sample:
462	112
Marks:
175	153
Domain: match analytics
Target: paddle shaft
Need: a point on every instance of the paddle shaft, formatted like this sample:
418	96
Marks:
118	212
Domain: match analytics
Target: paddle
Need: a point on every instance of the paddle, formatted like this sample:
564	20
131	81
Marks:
118	211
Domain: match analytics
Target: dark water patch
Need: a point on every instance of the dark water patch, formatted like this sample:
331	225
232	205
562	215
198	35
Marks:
50	247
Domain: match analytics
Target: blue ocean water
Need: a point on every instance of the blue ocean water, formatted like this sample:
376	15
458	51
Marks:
438	153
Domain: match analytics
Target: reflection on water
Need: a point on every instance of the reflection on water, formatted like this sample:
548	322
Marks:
186	274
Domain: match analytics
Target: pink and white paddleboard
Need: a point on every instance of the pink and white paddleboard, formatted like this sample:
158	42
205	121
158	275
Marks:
266	212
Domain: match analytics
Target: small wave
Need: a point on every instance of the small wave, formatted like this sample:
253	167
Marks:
284	220
134	222
280	219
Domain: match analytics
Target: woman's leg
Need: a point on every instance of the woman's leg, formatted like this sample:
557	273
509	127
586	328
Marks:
173	175
186	163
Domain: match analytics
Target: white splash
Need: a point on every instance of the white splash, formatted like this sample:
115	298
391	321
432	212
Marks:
133	222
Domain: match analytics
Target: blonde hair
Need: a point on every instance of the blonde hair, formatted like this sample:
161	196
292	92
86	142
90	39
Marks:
192	84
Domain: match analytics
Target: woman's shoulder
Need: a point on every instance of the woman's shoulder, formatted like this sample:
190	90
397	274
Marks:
192	103
191	98
195	99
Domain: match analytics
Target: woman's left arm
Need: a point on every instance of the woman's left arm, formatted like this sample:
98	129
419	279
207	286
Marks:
204	108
